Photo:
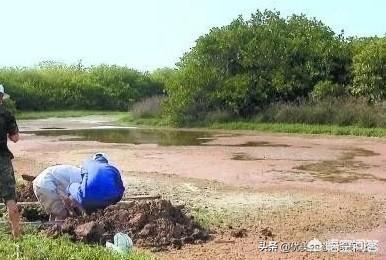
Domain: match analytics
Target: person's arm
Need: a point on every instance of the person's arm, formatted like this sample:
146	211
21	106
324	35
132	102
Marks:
71	204
12	128
73	191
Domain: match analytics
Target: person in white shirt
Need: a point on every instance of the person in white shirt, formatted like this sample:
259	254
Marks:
50	186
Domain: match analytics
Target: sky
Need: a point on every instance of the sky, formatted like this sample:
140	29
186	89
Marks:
149	34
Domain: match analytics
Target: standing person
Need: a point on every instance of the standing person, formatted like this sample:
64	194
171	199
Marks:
50	186
8	129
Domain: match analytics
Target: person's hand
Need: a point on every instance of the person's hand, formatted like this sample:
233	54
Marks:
14	138
69	204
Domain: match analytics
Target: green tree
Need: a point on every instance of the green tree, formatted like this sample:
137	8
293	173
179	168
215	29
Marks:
247	65
369	69
52	85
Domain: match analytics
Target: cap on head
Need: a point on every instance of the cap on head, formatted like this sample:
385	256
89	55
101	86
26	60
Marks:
2	92
102	157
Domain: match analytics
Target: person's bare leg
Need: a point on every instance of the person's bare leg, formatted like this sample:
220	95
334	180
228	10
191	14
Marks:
14	218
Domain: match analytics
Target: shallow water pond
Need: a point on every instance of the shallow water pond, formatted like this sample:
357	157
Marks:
133	136
163	137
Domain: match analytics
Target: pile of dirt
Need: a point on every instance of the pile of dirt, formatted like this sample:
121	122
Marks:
25	192
156	224
33	213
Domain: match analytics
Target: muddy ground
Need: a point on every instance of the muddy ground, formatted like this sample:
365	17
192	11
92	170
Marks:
25	192
155	224
249	188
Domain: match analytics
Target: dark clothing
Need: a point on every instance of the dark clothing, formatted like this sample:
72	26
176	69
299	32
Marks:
8	126
7	180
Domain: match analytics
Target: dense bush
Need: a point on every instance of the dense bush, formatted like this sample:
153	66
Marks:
369	69
242	67
148	107
335	111
327	89
218	116
52	86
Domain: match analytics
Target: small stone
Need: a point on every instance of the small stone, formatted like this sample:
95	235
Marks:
239	233
147	230
187	240
177	243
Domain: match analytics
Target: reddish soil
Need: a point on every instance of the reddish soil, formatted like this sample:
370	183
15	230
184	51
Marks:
294	160
156	224
33	213
25	192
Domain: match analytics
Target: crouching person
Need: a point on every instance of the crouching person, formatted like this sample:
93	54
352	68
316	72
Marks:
101	185
50	188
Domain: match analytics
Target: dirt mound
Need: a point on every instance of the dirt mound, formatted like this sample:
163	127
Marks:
149	223
33	213
25	192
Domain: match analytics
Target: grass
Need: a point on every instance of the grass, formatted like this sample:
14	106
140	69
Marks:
129	119
33	246
266	127
148	108
212	219
301	128
333	111
22	115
